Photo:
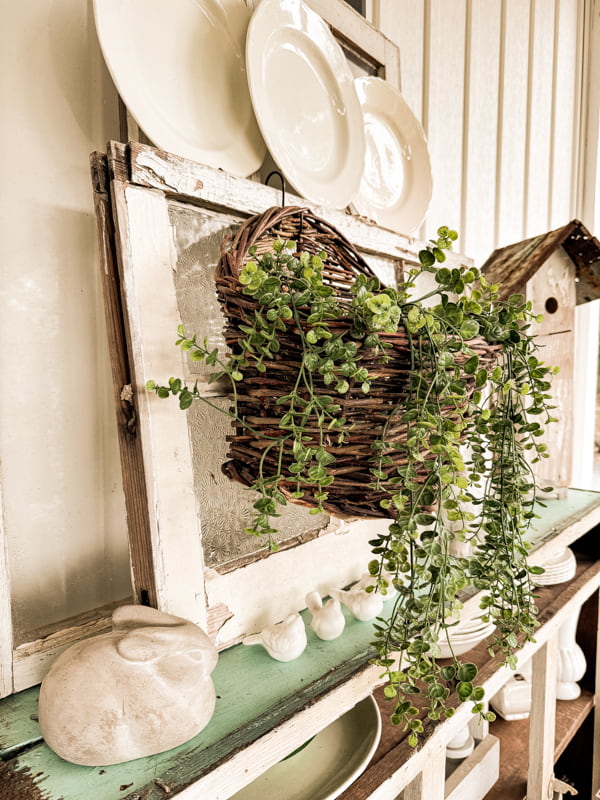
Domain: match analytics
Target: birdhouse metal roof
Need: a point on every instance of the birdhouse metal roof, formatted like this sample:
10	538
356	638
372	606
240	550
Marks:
512	266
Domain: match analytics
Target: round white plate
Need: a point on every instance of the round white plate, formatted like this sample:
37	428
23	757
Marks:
559	568
327	765
462	644
565	556
396	185
180	68
304	98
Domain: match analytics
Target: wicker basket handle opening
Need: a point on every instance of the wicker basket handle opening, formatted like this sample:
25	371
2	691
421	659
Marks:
311	233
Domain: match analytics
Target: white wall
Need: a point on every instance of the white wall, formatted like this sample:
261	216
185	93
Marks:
586	472
60	473
497	86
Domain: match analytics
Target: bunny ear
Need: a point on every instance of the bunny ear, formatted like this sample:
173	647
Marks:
146	644
131	616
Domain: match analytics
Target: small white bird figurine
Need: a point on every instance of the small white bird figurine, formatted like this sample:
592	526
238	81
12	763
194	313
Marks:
328	620
361	604
283	641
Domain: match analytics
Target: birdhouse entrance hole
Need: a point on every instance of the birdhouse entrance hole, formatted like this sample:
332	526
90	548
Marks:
551	305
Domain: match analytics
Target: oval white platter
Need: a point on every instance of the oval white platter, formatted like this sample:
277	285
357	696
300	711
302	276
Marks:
180	68
396	186
327	765
305	102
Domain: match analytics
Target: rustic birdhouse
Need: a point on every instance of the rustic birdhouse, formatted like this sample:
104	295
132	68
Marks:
555	271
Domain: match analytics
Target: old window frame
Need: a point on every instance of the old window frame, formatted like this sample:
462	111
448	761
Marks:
164	521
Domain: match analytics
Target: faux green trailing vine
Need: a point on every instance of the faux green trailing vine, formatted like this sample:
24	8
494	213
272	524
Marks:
472	432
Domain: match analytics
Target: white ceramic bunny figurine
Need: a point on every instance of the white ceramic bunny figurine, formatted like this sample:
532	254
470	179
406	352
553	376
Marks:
328	620
283	641
361	604
143	688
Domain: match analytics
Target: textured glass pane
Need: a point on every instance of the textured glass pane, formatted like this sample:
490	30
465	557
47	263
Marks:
225	506
198	237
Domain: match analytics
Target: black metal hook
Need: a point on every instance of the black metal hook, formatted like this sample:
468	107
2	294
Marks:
280	176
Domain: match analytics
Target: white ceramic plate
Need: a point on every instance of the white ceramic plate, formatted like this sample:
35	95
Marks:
327	765
396	185
304	98
462	644
559	568
180	69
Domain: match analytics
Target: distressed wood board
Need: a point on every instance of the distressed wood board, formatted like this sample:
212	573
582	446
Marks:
258	698
132	469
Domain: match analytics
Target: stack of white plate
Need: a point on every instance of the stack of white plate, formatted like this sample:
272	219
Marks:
558	569
464	636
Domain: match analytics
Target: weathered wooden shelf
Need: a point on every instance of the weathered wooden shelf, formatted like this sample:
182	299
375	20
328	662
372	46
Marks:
394	755
266	709
514	737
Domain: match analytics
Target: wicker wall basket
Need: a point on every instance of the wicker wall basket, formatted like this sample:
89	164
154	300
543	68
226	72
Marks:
351	494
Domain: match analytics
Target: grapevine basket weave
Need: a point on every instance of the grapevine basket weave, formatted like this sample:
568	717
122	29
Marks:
351	494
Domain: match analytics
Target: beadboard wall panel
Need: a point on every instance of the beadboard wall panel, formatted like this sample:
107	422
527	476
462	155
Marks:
539	117
565	115
444	107
512	122
480	128
496	86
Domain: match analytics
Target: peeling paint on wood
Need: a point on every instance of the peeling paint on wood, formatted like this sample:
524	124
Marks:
216	617
132	469
18	784
266	709
256	697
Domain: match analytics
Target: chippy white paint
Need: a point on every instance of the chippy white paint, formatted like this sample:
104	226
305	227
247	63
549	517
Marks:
278	584
151	305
